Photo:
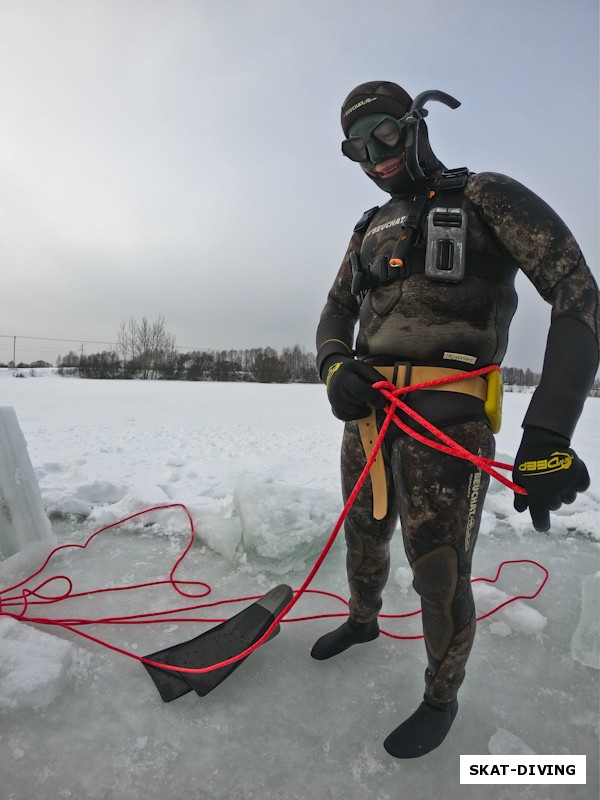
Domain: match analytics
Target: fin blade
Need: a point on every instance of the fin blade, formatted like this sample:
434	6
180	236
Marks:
170	685
217	644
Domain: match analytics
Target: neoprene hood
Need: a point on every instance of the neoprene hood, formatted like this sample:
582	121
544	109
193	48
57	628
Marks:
374	97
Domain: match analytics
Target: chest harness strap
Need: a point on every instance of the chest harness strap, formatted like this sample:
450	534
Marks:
386	268
445	258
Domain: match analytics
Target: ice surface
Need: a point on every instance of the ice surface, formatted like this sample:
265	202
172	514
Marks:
585	645
284	526
79	721
23	519
35	666
505	743
518	616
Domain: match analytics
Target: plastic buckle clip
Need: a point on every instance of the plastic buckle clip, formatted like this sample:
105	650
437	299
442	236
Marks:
379	270
453	179
358	274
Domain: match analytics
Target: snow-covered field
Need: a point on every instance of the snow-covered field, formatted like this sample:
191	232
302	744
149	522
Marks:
257	467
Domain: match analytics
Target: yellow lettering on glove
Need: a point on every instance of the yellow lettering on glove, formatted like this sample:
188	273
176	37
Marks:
331	371
544	466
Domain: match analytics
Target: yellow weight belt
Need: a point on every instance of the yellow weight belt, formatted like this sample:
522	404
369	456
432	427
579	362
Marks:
397	374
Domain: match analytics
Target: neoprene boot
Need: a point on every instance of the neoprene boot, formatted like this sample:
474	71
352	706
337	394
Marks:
422	732
344	637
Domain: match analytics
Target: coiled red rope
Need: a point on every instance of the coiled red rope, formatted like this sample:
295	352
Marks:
446	443
17	601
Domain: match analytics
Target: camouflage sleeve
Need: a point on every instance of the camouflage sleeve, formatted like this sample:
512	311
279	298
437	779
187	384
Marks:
335	332
546	251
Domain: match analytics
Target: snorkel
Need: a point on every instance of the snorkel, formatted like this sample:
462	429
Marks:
417	168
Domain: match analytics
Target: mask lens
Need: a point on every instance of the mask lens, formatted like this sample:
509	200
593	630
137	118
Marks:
355	149
374	138
387	132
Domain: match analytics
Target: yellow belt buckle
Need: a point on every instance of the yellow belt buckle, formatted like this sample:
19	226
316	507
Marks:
493	402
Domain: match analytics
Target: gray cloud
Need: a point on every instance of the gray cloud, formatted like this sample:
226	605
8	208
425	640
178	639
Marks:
180	158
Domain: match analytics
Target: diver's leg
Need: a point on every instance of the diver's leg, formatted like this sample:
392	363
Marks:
367	557
440	498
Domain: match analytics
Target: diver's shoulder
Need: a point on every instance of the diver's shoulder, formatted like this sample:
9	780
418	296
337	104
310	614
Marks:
483	187
480	181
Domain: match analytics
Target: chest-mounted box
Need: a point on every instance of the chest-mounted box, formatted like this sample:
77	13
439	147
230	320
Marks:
446	245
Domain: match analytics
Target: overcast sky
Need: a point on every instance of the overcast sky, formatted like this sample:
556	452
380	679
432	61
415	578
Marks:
181	157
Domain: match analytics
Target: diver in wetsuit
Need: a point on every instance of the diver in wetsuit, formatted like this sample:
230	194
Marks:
428	307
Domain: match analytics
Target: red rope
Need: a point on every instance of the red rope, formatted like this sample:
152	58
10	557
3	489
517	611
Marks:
27	598
446	444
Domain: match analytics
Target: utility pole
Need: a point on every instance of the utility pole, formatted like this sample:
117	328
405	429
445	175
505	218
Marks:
14	352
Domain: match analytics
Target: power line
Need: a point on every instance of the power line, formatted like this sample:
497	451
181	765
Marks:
113	344
50	339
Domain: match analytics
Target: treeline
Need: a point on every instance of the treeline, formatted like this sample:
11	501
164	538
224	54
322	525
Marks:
147	350
23	365
514	376
261	365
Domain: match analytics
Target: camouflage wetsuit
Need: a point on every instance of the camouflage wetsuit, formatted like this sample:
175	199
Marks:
461	325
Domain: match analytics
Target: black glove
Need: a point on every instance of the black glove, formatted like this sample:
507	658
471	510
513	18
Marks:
551	472
350	387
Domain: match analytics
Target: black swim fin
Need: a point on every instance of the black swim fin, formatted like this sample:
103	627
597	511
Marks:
218	644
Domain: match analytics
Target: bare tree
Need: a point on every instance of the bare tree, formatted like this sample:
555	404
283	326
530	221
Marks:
70	360
146	347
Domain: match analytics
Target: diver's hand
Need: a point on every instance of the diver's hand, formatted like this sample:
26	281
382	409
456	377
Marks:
550	471
350	388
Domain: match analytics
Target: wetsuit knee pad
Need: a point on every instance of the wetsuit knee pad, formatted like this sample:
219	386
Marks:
436	575
368	542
